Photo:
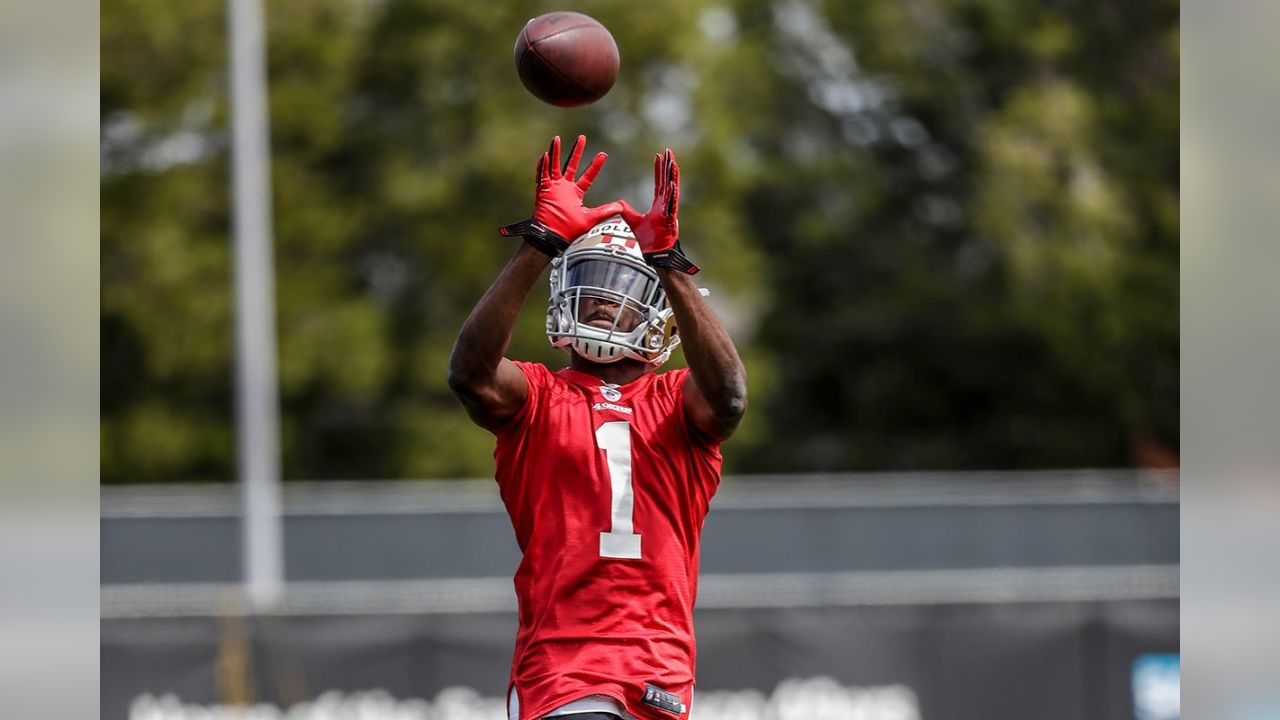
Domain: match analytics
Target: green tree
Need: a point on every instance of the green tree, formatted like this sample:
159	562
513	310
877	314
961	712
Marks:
974	230
944	233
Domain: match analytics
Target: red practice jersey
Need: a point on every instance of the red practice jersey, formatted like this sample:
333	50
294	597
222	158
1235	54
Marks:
607	488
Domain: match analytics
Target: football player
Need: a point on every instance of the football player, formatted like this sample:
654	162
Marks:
606	467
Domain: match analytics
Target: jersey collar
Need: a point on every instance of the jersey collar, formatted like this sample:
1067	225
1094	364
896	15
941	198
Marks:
577	377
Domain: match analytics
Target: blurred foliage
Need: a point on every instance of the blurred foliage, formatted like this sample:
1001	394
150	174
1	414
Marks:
944	233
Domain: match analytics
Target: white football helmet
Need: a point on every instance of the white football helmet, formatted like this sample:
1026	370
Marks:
606	302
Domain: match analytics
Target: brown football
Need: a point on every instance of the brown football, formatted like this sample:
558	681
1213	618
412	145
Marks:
566	59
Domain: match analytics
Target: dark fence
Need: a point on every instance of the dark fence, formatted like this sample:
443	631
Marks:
1005	661
911	597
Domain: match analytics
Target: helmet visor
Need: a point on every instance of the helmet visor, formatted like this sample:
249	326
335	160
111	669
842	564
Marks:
628	281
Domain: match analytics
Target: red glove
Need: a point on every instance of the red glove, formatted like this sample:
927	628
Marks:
559	217
658	231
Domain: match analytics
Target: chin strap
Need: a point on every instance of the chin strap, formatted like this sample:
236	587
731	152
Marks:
537	235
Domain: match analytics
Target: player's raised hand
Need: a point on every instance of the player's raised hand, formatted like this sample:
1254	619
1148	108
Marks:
658	231
558	210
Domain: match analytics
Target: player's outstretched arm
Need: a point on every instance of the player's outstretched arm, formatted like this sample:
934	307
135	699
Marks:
715	396
492	388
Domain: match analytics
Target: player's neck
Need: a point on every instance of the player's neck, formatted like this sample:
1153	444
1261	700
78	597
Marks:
617	373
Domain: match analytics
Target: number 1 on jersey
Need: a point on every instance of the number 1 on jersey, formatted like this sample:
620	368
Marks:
620	542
